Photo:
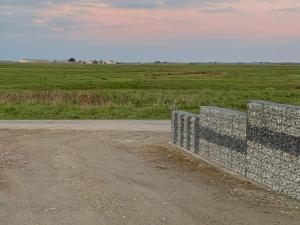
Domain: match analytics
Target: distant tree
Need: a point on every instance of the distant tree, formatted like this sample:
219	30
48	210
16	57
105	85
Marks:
95	62
72	60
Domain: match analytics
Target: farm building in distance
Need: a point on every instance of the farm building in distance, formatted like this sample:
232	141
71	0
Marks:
34	61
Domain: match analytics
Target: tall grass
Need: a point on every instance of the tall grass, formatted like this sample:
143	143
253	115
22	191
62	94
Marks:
148	91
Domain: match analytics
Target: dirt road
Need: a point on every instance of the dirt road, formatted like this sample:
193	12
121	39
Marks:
103	125
105	176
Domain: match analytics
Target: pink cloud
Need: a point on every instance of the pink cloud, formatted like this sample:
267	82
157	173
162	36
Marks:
250	19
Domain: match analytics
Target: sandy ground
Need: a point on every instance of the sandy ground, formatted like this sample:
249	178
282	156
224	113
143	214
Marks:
103	125
115	177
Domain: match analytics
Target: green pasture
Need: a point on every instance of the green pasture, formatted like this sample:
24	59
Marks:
73	91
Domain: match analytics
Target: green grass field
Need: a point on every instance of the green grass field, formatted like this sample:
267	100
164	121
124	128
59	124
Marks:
71	91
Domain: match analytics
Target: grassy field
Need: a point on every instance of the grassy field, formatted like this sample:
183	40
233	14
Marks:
71	91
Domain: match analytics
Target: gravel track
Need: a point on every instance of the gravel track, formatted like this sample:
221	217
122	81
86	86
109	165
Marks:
121	172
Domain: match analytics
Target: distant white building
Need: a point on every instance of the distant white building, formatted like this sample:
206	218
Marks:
107	62
34	61
24	61
59	61
110	62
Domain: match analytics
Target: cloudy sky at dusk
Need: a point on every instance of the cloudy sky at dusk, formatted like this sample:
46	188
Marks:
148	30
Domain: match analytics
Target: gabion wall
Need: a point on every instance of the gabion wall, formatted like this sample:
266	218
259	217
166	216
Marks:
222	137
273	136
185	130
263	144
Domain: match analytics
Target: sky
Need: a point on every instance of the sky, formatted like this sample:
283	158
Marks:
149	30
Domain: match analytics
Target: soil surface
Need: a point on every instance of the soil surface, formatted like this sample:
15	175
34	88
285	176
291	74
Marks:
95	177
